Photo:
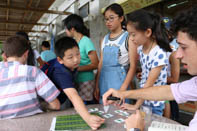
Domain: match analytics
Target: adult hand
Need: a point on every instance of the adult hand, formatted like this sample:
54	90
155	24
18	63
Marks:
95	121
135	121
112	92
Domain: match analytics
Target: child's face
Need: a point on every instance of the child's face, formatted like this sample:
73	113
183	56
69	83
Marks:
187	52
71	58
138	37
112	20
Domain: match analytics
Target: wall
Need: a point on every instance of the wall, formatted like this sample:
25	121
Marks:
96	24
95	19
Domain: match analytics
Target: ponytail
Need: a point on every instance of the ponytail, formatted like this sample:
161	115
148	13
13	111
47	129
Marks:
160	32
124	24
31	57
144	20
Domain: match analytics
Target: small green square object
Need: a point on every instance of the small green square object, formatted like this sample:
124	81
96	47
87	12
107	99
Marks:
72	122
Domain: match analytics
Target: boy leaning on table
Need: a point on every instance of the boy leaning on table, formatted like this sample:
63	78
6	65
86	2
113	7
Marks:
62	70
20	84
185	25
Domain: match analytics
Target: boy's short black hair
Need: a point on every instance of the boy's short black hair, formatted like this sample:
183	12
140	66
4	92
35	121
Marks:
63	44
45	44
186	22
15	46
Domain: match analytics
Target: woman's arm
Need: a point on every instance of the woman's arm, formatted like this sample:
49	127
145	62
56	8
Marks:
94	62
40	61
96	92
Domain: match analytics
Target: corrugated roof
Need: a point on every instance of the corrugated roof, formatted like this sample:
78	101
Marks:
16	15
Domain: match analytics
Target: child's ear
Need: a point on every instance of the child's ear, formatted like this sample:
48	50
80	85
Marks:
24	57
121	18
26	54
148	32
72	29
60	60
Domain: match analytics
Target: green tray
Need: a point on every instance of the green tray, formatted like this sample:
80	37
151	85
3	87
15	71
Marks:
72	122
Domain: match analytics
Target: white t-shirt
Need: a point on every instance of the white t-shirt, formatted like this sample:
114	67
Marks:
123	56
36	56
156	57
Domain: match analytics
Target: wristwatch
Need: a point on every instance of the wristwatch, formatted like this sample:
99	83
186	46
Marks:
134	129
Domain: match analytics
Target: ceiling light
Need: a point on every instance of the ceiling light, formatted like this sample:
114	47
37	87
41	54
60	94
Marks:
176	4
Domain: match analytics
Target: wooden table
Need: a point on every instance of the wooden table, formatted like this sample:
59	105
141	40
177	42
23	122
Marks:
42	122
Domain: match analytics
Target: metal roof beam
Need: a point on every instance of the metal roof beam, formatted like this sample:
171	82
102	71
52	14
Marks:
1	36
23	23
23	30
34	10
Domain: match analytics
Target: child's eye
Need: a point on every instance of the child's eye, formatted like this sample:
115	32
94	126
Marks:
133	34
183	48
